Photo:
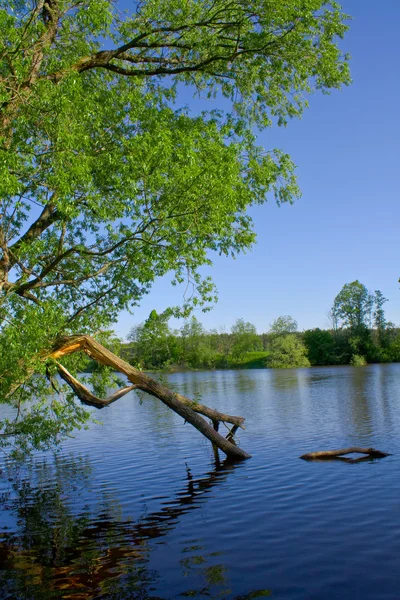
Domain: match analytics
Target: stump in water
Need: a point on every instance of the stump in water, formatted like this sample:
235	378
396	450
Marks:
186	408
332	454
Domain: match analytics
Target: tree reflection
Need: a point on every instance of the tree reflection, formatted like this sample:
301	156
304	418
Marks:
285	379
63	545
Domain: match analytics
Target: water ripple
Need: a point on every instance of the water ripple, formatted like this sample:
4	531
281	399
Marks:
138	509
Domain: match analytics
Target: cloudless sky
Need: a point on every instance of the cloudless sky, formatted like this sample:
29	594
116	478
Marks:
346	225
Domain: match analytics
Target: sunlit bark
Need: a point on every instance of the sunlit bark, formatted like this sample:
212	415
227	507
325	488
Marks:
186	408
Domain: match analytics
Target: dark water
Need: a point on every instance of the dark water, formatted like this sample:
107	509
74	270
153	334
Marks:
138	509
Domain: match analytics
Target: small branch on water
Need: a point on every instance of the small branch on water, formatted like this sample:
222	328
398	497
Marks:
331	454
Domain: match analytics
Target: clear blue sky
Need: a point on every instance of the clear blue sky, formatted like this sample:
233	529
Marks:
346	225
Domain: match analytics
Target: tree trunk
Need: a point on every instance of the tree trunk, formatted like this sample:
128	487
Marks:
183	406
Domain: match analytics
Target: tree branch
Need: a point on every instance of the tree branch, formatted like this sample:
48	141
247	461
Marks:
186	408
48	216
34	284
82	309
85	396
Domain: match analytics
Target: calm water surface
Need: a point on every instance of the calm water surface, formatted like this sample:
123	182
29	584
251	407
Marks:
137	508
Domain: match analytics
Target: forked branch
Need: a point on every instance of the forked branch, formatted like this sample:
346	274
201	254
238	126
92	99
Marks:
85	395
186	408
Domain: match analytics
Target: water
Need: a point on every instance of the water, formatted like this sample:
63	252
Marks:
136	508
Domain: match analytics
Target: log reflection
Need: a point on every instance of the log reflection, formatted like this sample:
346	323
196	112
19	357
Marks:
93	553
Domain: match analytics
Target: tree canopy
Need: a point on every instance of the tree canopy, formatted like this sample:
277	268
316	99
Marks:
108	180
353	305
288	351
283	325
245	338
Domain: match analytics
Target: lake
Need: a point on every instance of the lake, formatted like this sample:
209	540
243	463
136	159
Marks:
136	508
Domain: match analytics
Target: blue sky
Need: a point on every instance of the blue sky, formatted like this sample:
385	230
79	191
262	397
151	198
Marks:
346	225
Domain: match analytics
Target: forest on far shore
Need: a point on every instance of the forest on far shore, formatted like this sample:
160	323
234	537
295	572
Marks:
359	334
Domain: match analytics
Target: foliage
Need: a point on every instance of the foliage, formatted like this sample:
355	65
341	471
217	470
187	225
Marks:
354	338
154	345
194	348
249	360
391	352
321	347
379	313
282	325
153	340
360	341
358	361
288	351
383	328
356	310
353	305
244	337
107	181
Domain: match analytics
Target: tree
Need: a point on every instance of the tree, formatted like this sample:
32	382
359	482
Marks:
220	342
285	346
107	182
283	325
353	305
245	338
380	322
392	352
321	348
153	340
352	308
287	351
196	352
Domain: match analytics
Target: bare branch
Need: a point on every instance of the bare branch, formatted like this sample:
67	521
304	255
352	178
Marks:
85	396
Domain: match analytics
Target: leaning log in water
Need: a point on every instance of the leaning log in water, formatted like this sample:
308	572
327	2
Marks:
327	454
186	408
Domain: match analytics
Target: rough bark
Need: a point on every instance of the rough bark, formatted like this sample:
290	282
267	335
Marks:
186	408
329	454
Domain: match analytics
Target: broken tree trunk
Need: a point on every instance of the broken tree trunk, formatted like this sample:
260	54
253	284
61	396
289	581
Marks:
328	454
186	408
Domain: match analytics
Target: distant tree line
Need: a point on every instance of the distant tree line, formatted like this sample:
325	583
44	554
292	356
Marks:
359	334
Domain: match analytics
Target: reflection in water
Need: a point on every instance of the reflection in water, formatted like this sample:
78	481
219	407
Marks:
384	391
209	383
135	523
244	381
360	401
284	379
60	551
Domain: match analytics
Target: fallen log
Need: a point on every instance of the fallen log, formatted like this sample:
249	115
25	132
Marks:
329	454
183	406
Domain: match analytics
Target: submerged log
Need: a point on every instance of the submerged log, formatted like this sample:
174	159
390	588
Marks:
186	408
329	454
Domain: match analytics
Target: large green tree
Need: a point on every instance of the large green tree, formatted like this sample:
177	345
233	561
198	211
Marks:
353	306
107	180
353	310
